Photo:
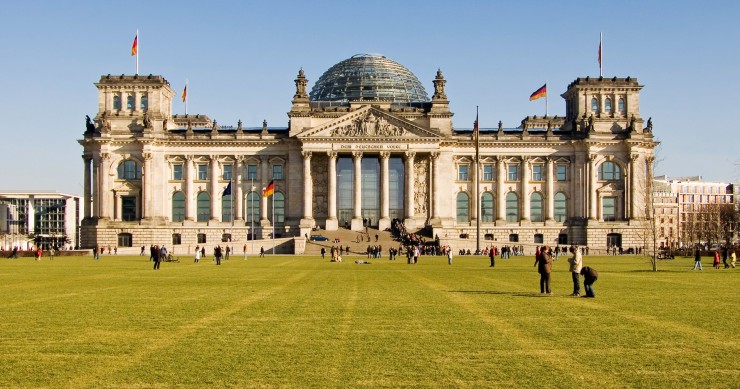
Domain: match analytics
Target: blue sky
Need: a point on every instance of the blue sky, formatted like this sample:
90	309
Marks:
241	59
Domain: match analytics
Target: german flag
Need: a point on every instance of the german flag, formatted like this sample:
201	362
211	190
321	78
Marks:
185	93
542	92
135	46
270	190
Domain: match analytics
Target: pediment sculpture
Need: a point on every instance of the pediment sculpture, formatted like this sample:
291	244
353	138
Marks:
370	125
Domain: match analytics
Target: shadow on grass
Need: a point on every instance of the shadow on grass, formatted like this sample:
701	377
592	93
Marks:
515	294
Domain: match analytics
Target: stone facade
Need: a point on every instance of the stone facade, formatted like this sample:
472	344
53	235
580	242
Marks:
150	175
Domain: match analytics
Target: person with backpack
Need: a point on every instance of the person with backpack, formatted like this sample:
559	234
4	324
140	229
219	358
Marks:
590	275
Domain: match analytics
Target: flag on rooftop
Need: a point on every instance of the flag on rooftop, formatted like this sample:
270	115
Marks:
542	92
135	46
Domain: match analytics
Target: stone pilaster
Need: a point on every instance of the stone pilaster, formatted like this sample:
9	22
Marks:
332	224
357	210
501	189
385	193
410	222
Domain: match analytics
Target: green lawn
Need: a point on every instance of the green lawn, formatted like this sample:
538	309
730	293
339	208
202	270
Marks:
289	321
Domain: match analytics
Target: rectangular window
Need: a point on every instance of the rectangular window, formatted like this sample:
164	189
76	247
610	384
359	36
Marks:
177	172
176	239
609	209
462	172
128	208
251	172
130	103
202	172
537	173
201	238
513	173
487	172
562	238
277	172
228	170
561	172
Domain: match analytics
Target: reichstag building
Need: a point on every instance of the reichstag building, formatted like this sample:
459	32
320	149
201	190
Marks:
366	146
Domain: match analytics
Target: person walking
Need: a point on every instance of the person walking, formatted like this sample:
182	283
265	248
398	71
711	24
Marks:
724	257
323	253
157	257
697	259
543	259
733	258
492	257
589	277
197	254
217	254
262	251
449	257
716	259
576	264
245	252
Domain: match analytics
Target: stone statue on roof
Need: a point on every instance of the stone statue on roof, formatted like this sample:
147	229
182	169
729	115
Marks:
89	126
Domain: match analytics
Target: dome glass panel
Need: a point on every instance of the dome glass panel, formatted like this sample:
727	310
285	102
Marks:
368	77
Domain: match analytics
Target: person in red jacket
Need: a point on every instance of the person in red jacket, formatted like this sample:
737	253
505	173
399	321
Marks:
542	260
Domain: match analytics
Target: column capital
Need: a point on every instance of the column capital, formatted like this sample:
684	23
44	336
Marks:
306	155
104	156
526	158
550	160
240	159
189	157
147	156
410	155
434	156
87	158
634	157
331	154
385	154
264	158
592	157
357	154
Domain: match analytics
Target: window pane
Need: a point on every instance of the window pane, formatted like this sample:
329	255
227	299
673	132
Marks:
226	208
251	172
561	172
202	172
204	207
594	104
535	212
462	173
144	103
279	209
537	173
621	105
177	172
130	103
277	172
608	105
228	169
512	207
116	102
487	172
487	210
610	209
463	215
178	206
513	173
561	207
128	208
253	207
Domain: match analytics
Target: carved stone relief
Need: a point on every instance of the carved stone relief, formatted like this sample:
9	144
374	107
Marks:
320	180
369	125
421	187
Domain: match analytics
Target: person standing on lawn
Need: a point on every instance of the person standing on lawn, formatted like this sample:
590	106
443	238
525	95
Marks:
576	264
542	260
697	259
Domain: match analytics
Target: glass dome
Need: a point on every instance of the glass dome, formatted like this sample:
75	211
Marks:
368	77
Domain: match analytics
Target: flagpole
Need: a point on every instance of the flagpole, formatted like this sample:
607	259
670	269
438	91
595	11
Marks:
601	59
231	210
477	182
273	221
137	51
186	96
545	98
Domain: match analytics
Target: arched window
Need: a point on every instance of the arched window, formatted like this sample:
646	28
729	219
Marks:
561	207
463	208
512	207
486	207
620	105
535	207
594	104
226	208
253	208
129	170
116	102
144	103
608	105
609	171
130	105
203	205
178	206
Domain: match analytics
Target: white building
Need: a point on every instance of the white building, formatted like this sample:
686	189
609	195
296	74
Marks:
42	218
366	146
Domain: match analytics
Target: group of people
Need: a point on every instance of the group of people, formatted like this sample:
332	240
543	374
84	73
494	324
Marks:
544	259
725	254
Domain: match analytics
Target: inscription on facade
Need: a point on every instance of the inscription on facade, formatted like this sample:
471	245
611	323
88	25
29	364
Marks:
373	147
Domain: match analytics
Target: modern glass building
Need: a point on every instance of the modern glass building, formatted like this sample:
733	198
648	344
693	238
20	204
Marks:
366	147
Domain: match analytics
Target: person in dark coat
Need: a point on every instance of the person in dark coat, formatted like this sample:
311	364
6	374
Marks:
543	260
589	277
492	257
157	255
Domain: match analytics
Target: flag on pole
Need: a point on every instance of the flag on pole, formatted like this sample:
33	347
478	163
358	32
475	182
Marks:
185	93
601	67
135	46
475	125
270	190
227	191
542	92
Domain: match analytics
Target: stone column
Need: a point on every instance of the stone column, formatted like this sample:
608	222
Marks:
96	187
525	189
147	181
215	192
632	187
238	185
550	215
592	182
264	180
436	203
104	178
307	189
385	192
332	224
357	217
501	189
87	187
189	195
410	190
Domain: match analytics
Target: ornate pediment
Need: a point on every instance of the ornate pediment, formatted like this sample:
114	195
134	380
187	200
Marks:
611	187
368	122
126	187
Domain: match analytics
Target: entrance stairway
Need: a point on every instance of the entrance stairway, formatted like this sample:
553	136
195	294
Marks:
347	237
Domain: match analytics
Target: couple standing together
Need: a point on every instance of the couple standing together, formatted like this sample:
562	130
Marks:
543	261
